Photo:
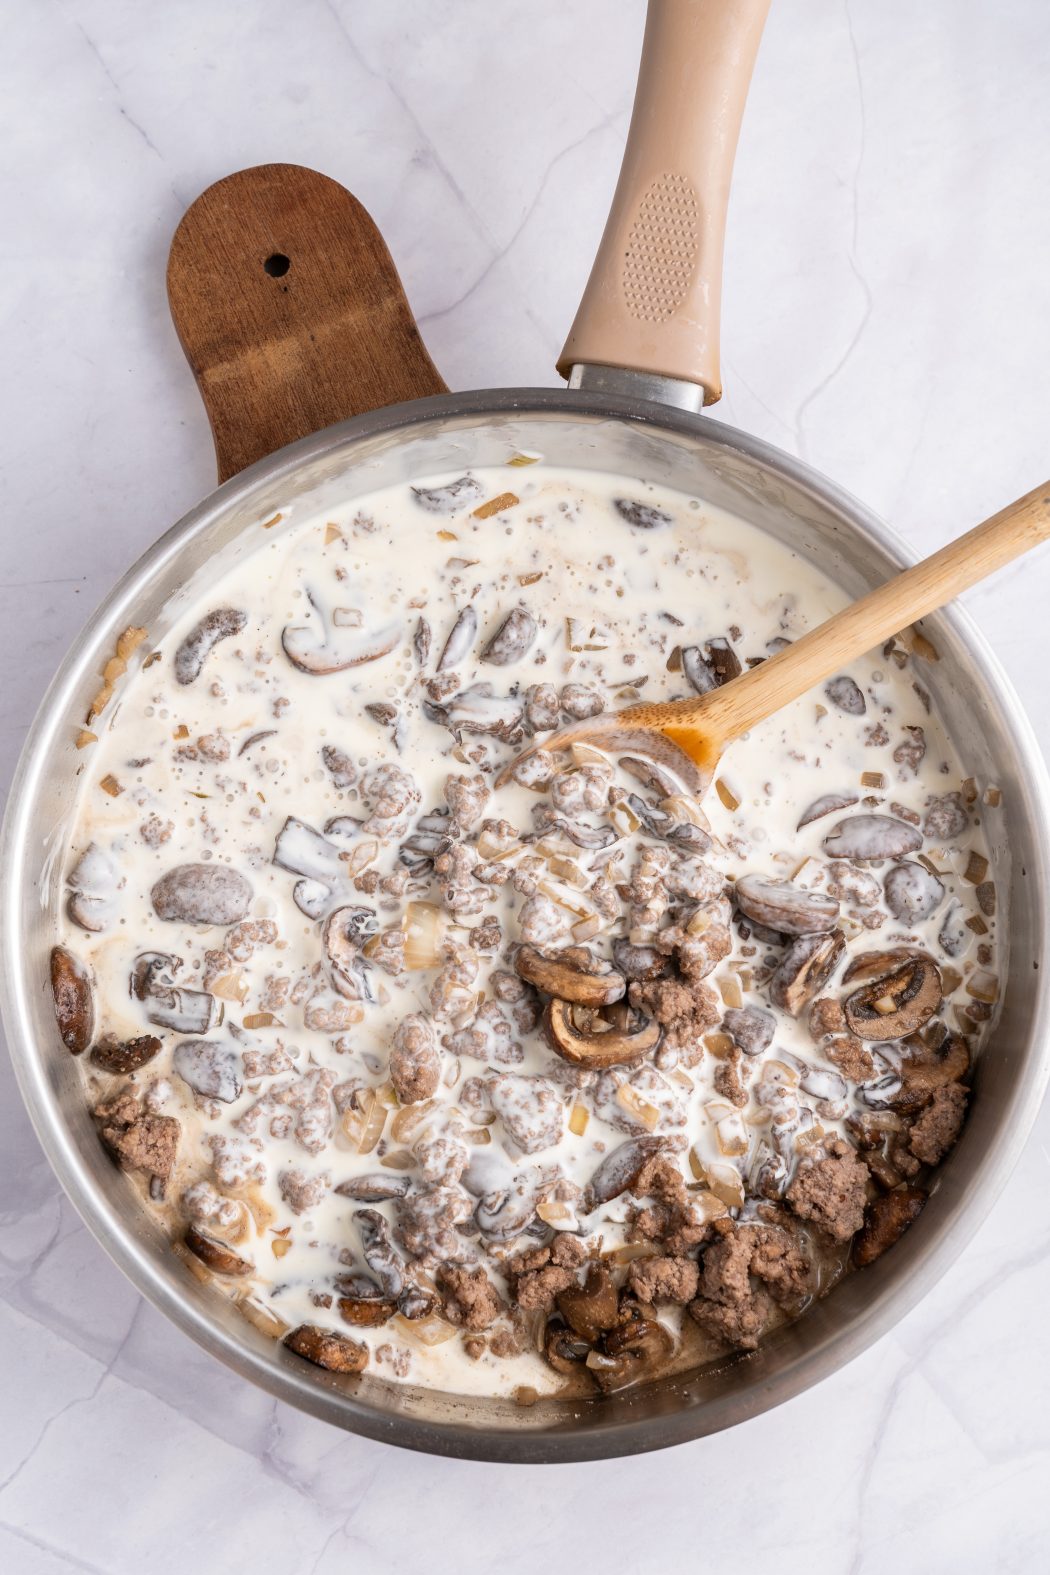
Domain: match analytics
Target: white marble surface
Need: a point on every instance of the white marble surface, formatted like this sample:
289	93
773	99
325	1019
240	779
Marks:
887	316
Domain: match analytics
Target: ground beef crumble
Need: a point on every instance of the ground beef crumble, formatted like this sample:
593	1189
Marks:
938	1125
727	1079
140	1140
684	1011
747	1272
471	1301
848	1054
672	1219
831	1191
538	1274
664	1279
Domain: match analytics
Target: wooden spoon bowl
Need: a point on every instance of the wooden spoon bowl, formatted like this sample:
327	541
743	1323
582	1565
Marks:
690	736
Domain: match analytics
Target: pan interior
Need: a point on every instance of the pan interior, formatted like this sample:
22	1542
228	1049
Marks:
750	480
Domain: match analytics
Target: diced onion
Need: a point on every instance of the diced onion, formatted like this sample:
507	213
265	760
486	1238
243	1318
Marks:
983	986
976	868
726	794
261	1317
633	1102
578	1119
424	928
730	992
425	1331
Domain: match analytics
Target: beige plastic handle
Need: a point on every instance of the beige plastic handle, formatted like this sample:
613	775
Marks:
653	300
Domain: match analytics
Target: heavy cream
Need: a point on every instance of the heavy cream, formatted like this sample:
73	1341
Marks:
272	873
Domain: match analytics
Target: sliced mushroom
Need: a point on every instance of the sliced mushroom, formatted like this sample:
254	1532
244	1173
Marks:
632	1352
460	641
345	933
827	805
750	1028
954	935
339	766
336	1352
374	1188
71	986
660	823
699	672
167	1005
846	694
788	909
872	837
504	1212
216	625
91	913
379	1252
876	965
202	894
639	962
644	515
924	1068
429	837
256	738
421	641
572	975
303	851
652	774
593	1307
912	892
93	885
619	1170
451	499
804	970
513	639
898	1005
340	643
723	660
209	1068
183	1011
121	1057
599	1044
577	831
564	1351
415	1302
366	1312
216	1254
885	1220
478	710
311	897
822	1083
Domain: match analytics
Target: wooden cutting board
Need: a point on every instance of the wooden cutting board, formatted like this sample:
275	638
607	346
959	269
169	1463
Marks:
290	311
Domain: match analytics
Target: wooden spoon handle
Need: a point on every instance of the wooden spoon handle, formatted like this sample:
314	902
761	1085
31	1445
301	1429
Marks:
884	612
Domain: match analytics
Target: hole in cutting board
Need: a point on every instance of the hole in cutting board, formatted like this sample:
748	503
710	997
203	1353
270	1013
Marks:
277	265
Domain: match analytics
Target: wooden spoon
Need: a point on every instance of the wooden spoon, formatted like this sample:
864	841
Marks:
689	736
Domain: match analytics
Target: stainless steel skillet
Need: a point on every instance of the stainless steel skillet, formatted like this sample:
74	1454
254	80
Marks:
293	319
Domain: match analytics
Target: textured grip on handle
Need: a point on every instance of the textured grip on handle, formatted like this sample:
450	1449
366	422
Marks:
653	300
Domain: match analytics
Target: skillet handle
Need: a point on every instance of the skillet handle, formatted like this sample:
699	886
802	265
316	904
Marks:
290	311
653	300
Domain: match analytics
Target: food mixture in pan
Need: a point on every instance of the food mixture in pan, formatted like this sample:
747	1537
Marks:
541	1087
